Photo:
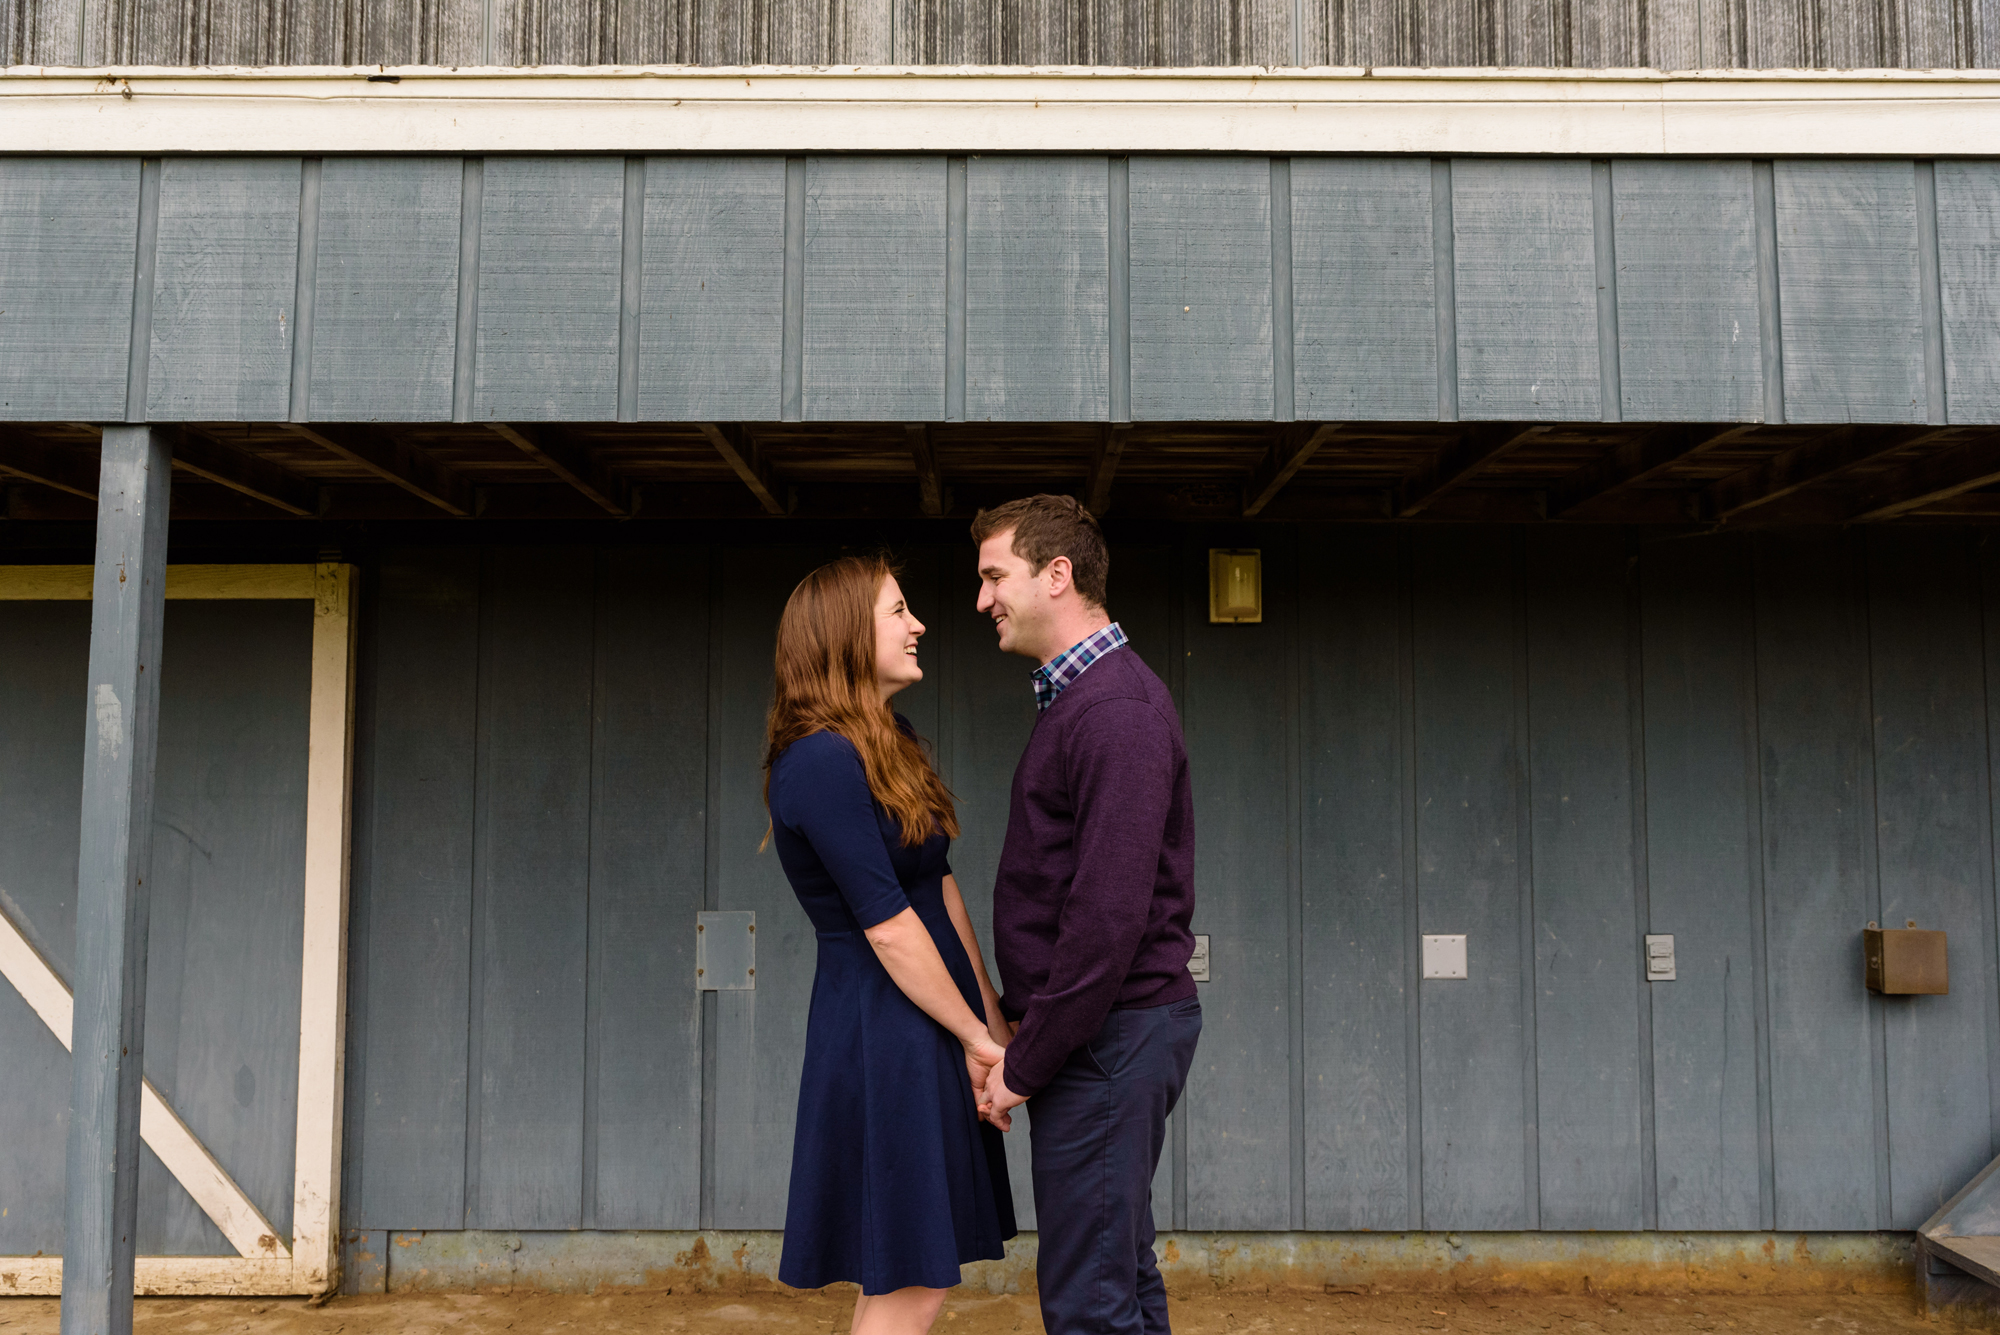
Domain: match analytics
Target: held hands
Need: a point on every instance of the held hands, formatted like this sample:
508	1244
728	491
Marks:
998	1098
982	1054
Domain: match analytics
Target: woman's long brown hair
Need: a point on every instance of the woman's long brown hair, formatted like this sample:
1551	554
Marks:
825	682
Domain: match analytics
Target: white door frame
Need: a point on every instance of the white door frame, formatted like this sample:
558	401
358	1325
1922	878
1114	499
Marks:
264	1264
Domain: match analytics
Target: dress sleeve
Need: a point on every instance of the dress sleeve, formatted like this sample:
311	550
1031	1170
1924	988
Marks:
829	805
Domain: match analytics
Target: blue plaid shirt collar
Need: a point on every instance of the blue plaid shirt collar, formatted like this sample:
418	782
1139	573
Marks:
1052	677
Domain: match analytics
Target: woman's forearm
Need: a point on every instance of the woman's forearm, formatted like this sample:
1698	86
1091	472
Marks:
954	904
906	950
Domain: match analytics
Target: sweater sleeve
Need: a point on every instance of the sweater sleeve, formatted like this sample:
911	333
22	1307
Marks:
1120	761
829	805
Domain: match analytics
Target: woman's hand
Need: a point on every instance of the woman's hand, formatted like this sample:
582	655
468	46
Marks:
981	1057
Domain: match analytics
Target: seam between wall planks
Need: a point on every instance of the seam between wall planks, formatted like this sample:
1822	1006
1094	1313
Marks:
1524	875
593	941
1770	312
709	1000
1642	917
1118	244
1931	295
1295	915
792	362
144	260
956	224
1760	959
475	972
1413	995
1444	281
1855	560
1176	681
465	361
1982	572
305	289
631	288
1604	229
1283	330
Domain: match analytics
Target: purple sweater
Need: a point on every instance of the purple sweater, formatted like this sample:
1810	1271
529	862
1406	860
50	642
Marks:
1095	890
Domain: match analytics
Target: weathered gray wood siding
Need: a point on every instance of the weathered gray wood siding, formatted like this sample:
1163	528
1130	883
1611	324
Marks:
222	986
1554	742
1681	34
593	289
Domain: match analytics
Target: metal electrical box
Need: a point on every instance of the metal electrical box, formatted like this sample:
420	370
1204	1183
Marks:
1903	961
725	952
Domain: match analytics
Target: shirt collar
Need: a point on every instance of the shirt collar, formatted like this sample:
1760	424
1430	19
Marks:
1054	676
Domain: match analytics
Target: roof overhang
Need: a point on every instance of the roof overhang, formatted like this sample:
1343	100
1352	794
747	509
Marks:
679	109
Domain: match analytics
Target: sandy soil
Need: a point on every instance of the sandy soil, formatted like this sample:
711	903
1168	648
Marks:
1283	1313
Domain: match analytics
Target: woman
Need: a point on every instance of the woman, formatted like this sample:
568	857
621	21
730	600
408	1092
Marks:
896	1182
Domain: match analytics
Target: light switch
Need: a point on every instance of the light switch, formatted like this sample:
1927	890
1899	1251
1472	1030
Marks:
1444	957
1198	965
1659	959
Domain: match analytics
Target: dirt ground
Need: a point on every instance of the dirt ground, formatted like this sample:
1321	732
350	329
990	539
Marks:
1281	1313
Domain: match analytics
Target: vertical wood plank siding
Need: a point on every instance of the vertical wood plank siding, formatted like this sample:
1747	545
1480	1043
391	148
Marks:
1847	264
1680	34
551	254
1527	289
1201	289
385	313
559	765
711	324
67	231
1687	292
224	277
875	287
440	289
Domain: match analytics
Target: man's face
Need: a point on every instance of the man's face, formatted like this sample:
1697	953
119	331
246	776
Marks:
1014	596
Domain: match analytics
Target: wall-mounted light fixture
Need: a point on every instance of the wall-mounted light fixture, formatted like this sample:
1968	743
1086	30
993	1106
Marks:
1235	585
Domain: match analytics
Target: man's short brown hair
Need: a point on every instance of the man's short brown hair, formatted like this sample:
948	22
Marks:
1046	527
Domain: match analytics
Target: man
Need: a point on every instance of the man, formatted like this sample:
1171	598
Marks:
1091	908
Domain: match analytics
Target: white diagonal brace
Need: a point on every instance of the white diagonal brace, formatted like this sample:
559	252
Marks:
159	1126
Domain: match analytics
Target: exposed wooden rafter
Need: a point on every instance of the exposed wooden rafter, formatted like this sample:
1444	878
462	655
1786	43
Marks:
392	461
1932	480
1464	459
207	458
740	453
1283	461
25	456
930	484
1810	463
568	461
1104	468
1635	461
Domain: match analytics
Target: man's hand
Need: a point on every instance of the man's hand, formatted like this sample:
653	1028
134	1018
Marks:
978	1071
999	1097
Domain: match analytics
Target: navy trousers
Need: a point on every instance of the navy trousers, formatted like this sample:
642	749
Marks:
1096	1131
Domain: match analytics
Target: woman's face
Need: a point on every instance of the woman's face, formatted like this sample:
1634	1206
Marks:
896	636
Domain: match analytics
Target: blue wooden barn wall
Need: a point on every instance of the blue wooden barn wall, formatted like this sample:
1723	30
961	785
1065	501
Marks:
222	983
1554	741
431	289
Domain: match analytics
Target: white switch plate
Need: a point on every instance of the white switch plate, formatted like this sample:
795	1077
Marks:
1198	966
1444	957
1660	959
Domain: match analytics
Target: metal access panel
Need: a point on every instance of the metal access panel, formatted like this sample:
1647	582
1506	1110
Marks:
725	951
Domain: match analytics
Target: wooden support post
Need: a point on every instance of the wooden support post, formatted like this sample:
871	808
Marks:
127	614
1104	467
930	484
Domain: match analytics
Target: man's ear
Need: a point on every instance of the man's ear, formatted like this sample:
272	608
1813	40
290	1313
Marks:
1059	574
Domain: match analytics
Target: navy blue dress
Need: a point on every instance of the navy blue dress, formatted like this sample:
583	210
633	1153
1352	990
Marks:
895	1180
